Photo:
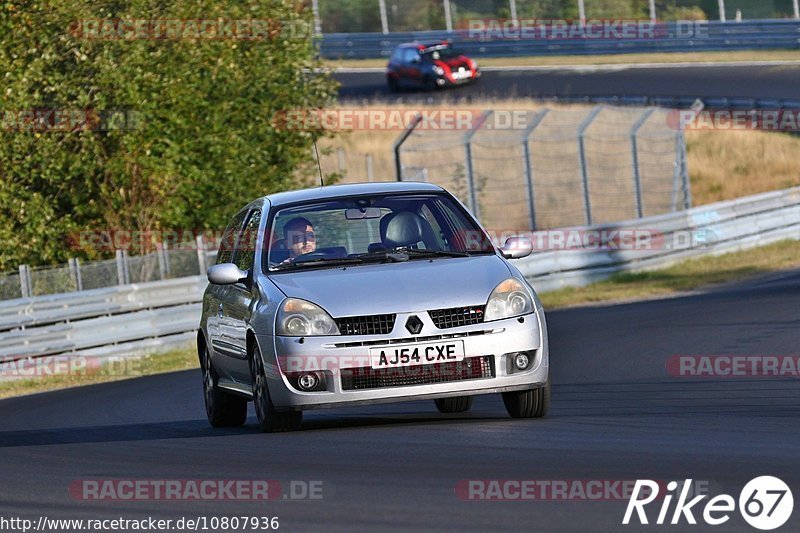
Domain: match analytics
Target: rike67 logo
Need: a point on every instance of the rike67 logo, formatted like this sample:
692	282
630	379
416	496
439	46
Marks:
765	503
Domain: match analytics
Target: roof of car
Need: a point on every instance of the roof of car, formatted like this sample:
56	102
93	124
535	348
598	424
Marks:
424	44
353	189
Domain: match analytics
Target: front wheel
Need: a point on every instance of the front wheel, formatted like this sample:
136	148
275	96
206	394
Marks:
457	404
222	408
270	420
533	403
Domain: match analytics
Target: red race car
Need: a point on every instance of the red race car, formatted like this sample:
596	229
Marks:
429	66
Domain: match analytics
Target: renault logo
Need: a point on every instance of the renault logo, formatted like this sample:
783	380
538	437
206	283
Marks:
414	324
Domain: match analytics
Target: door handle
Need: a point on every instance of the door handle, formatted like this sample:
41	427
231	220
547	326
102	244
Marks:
220	310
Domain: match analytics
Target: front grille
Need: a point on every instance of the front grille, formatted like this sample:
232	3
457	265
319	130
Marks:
365	378
457	316
366	325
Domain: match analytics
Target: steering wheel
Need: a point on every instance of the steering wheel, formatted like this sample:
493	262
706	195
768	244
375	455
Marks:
311	256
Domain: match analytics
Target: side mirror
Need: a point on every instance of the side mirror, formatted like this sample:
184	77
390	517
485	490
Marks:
517	248
416	59
226	274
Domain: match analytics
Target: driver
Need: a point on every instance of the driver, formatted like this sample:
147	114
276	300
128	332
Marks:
299	237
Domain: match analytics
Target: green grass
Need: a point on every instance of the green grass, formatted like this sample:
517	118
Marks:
685	276
156	363
615	59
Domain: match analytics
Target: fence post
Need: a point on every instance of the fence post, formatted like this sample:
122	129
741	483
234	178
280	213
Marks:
398	167
796	6
341	161
512	8
582	155
721	10
687	189
384	19
25	281
167	266
448	17
75	272
582	12
201	254
317	19
123	273
526	150
637	179
473	196
162	268
368	161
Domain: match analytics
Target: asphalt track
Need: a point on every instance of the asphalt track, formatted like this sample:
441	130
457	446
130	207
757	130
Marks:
616	415
736	81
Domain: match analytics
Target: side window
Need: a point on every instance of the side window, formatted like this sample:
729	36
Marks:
409	54
225	253
246	245
397	56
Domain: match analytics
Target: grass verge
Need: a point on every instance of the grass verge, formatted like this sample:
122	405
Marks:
611	59
684	276
156	363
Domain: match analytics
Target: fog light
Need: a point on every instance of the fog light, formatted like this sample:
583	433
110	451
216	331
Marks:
521	361
308	382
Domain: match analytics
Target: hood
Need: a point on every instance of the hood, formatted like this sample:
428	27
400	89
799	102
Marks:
454	63
412	286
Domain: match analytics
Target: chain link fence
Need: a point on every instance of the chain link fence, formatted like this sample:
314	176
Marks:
557	168
123	270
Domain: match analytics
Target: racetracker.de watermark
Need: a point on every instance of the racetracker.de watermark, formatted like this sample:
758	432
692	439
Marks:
69	120
137	29
733	366
554	489
194	489
399	119
72	365
707	119
491	29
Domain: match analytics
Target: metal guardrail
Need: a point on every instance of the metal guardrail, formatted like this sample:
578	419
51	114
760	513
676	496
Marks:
126	320
747	35
710	229
102	321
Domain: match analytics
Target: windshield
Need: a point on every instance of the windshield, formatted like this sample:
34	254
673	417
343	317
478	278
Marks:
440	52
372	229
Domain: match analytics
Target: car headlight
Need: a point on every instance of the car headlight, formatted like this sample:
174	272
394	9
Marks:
439	71
299	318
509	299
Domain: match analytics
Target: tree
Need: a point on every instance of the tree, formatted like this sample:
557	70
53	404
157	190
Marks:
176	131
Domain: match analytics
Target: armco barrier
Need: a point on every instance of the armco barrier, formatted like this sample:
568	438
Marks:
710	229
126	320
714	36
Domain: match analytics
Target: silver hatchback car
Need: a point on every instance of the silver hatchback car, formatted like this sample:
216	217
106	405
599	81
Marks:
360	294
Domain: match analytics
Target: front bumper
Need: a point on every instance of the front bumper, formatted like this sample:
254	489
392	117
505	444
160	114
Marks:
336	355
448	80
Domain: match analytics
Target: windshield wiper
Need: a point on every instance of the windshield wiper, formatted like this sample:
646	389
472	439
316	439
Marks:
318	260
435	253
384	255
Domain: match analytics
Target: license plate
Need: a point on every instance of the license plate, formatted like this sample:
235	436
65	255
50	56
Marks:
416	354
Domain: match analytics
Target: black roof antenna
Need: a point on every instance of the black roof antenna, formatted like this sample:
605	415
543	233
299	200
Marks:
319	166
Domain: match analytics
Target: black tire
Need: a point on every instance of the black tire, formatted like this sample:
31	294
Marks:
223	409
430	84
456	404
393	85
270	420
533	403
